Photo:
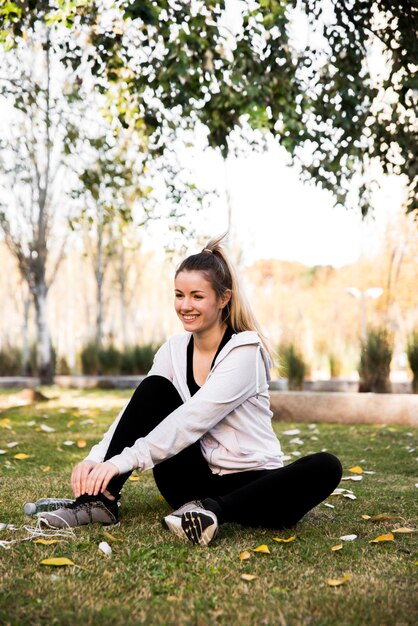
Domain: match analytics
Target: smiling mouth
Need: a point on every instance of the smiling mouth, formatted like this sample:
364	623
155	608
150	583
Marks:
189	318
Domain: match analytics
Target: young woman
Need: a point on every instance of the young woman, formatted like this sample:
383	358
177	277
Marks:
201	420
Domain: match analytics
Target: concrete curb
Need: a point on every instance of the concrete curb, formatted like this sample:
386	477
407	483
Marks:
345	408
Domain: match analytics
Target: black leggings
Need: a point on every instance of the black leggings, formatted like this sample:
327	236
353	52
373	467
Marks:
276	498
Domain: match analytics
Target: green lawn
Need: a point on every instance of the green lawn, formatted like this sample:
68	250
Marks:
152	578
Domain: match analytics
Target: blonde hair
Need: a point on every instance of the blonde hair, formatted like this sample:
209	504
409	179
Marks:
221	273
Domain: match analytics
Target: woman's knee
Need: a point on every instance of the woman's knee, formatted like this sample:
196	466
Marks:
331	465
157	387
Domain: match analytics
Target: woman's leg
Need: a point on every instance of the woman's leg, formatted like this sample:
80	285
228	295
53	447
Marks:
279	498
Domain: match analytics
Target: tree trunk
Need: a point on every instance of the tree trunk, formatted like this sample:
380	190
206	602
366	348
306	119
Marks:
25	337
44	352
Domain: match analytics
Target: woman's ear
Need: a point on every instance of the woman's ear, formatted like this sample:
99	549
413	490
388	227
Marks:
226	298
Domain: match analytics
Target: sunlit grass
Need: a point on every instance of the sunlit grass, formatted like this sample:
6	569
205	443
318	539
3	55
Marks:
152	578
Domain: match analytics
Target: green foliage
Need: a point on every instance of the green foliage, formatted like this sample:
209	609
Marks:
111	361
335	365
376	356
412	353
169	65
10	361
293	366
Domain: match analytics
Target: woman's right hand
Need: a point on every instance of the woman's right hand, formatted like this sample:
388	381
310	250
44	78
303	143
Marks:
79	477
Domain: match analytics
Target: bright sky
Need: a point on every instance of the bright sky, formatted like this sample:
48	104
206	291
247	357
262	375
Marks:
275	215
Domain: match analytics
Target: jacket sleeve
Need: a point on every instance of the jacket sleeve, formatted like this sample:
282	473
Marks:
230	383
160	367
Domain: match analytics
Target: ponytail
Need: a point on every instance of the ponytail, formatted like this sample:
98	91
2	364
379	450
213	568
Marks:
222	275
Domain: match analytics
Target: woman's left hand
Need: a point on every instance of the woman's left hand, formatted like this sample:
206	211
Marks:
100	476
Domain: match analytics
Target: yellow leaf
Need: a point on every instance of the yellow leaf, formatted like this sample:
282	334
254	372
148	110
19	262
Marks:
47	542
46	469
366	517
262	548
403	529
245	555
335	582
356	469
70	423
57	561
133	478
5	422
21	455
81	443
337	547
279	540
248	576
111	537
388	537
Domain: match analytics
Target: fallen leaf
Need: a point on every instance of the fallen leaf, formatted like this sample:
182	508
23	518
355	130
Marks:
387	537
404	529
68	443
335	582
244	555
12	444
47	542
263	548
5	422
105	548
46	469
356	469
21	456
280	540
330	506
348	537
337	547
292	431
47	429
57	561
248	576
382	517
354	478
133	478
81	443
70	423
111	537
3	451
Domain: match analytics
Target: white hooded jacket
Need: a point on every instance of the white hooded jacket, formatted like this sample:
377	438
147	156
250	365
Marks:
230	413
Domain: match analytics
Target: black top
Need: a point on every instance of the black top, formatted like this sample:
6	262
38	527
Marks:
191	383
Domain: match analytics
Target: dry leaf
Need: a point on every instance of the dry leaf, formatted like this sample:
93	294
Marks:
81	443
335	582
46	469
47	542
337	547
263	548
46	429
403	529
354	478
110	537
244	555
382	517
5	423
280	540
248	576
330	506
356	469
348	537
387	537
70	423
57	561
21	455
133	478
3	451
105	548
68	443
12	444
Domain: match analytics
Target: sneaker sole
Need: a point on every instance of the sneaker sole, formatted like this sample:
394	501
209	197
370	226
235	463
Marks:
199	528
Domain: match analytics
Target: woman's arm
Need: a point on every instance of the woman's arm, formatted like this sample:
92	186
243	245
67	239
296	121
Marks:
232	382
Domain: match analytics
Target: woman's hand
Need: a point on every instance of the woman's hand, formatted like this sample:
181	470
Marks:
79	476
99	477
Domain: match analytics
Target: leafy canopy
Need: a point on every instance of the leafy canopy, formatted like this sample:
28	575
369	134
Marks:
332	80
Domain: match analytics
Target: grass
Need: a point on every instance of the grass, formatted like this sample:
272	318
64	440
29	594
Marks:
152	578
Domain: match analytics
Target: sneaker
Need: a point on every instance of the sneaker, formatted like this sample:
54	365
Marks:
84	510
192	522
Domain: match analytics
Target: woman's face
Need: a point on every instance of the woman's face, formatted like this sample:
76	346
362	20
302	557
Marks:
196	302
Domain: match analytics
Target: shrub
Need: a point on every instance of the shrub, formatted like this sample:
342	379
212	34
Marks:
335	365
412	353
376	355
109	360
90	359
10	361
293	366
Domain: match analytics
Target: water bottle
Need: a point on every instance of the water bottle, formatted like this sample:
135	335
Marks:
46	504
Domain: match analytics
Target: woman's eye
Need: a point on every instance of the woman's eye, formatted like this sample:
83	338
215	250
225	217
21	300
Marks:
198	297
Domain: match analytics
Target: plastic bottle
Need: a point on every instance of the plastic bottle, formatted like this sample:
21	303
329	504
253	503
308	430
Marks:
46	504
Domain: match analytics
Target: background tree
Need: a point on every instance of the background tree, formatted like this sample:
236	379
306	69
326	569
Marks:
331	106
